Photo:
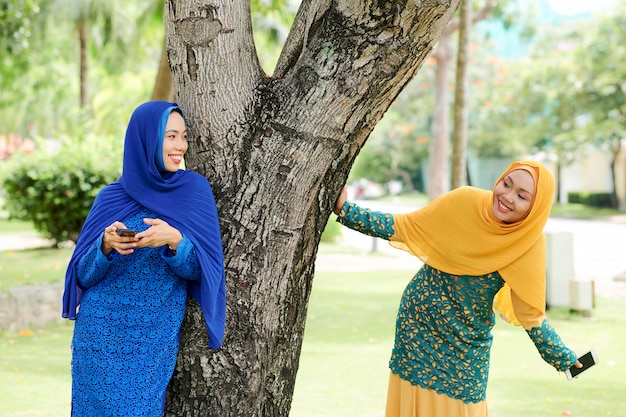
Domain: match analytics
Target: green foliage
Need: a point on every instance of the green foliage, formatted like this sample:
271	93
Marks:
601	91
39	91
55	190
398	145
590	199
271	20
332	231
18	21
568	92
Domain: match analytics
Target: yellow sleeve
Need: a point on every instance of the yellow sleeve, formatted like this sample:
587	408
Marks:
527	315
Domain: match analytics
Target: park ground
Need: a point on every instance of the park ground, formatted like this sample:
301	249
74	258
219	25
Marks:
349	334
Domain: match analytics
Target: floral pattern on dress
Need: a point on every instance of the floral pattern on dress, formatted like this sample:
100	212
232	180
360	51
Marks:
444	322
551	347
443	333
126	334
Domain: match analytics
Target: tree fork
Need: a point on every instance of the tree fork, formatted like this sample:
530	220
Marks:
277	152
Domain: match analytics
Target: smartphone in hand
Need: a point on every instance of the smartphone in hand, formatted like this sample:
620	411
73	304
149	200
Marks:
588	360
126	232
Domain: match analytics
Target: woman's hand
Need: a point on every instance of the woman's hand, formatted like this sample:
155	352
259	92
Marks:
111	240
343	197
158	234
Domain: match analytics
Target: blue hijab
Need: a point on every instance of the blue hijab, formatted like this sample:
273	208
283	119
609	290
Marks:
183	199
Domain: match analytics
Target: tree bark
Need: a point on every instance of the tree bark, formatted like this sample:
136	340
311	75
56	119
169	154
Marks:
461	112
277	151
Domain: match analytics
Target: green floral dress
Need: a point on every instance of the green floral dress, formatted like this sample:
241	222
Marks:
443	328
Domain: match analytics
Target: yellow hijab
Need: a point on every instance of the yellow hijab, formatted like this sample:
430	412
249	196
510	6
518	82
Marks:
458	234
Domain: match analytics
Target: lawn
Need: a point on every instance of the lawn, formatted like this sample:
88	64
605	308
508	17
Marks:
343	367
10	227
348	338
581	211
35	372
33	267
349	335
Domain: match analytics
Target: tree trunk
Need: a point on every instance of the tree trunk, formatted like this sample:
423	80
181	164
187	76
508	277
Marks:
439	168
163	86
393	170
84	97
616	149
277	159
438	181
461	111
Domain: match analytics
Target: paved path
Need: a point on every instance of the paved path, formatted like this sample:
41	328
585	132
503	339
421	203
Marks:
599	252
22	241
608	286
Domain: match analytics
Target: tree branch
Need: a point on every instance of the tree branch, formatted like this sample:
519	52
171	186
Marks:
476	17
308	15
482	13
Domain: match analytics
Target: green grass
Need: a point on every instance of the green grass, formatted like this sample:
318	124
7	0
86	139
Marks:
349	336
11	227
30	266
520	380
348	339
343	367
33	267
416	199
35	372
580	211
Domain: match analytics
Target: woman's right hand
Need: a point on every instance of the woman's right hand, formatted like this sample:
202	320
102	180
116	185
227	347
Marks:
124	245
343	197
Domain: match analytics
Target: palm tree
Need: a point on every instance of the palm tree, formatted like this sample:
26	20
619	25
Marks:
105	29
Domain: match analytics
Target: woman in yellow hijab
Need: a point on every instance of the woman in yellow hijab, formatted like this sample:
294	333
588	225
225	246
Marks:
480	248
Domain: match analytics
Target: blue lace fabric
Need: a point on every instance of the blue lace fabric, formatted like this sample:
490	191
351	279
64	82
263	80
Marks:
443	327
126	334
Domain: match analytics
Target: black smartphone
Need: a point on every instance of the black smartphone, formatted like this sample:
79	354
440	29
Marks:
588	360
126	232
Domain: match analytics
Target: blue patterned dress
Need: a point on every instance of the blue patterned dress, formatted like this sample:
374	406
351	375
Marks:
443	327
127	331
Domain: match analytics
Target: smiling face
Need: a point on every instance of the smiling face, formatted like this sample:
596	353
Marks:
513	196
174	142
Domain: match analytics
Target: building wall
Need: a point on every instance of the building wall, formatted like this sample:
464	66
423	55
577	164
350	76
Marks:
590	173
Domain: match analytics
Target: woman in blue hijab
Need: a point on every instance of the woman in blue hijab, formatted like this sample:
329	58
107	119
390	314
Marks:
132	290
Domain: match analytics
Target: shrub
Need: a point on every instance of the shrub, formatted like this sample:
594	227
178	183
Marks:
55	190
590	199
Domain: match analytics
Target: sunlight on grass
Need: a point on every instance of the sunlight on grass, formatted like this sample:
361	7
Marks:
16	227
35	371
33	267
343	368
520	380
580	211
349	336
